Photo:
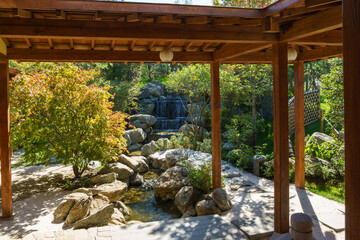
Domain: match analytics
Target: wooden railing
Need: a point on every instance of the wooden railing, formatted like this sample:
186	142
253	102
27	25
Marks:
312	109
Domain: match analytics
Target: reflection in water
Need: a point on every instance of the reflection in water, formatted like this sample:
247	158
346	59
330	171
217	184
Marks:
144	207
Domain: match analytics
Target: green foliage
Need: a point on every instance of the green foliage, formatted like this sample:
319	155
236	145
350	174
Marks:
326	150
188	141
65	113
243	3
241	157
31	67
72	184
332	86
201	176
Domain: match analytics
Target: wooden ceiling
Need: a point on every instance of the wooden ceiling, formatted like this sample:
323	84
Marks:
65	30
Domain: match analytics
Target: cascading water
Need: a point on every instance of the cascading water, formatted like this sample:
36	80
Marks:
170	115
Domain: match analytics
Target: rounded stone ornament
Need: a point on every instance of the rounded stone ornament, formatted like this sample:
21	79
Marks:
301	222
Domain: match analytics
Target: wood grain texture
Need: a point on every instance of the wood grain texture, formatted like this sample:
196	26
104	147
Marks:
351	31
299	125
6	192
215	125
281	137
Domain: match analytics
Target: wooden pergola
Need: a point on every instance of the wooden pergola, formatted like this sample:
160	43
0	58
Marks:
96	31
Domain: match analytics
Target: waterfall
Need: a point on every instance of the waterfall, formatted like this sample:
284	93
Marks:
170	115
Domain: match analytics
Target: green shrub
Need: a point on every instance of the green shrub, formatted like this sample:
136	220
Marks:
200	176
241	157
188	141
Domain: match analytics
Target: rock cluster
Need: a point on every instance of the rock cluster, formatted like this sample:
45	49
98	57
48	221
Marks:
101	205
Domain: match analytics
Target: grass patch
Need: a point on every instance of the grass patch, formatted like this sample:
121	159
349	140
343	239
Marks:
336	193
266	137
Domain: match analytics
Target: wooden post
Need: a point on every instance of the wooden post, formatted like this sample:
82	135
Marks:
321	121
215	125
351	38
299	125
6	193
281	137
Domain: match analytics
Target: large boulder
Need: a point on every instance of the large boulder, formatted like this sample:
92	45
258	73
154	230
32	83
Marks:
99	201
136	136
99	218
128	139
188	128
149	148
136	163
122	170
207	207
158	160
117	218
143	121
79	210
322	137
173	156
136	180
221	198
147	106
106	178
135	147
170	182
62	211
114	191
154	89
186	198
122	208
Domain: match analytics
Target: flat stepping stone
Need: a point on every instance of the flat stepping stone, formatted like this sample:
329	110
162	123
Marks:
332	220
255	227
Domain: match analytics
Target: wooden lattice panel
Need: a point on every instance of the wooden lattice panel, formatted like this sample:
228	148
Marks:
312	109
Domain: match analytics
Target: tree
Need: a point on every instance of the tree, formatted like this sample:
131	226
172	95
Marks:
193	82
65	113
243	3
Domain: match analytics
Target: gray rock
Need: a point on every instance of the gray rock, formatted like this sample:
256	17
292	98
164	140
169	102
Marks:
322	137
147	106
117	218
122	170
222	200
172	156
185	198
114	191
83	190
185	129
207	207
106	178
257	160
135	147
228	147
99	201
157	159
136	136
122	208
144	121
149	148
78	211
144	93
136	180
154	89
100	218
317	160
62	211
128	139
137	163
170	182
301	222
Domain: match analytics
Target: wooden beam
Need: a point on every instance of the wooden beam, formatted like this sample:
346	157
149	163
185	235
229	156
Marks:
331	38
187	46
60	14
280	6
234	50
98	16
317	3
170	44
215	125
134	17
51	43
50	55
71	44
113	44
92	44
351	31
327	20
7	43
281	137
6	191
127	7
151	45
319	53
28	42
18	12
270	26
51	28
299	125
198	20
255	57
132	45
205	46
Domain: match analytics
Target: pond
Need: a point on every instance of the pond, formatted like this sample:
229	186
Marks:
143	205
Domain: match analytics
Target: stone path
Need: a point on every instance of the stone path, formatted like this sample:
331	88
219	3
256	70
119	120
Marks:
206	227
252	212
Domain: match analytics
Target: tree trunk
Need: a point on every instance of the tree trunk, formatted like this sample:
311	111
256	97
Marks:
253	115
76	171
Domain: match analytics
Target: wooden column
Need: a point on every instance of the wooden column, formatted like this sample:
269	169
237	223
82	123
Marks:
281	137
351	38
299	125
215	125
6	193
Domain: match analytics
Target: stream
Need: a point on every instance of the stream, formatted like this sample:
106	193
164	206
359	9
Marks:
143	205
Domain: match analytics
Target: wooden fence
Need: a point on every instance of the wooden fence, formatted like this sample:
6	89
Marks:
312	109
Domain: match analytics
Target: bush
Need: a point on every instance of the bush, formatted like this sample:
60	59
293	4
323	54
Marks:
65	113
201	176
241	157
188	141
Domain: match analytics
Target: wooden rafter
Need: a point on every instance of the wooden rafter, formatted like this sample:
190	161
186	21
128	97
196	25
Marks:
44	55
60	14
234	50
71	44
317	3
320	53
28	42
151	45
113	44
331	38
51	43
7	43
187	46
205	46
18	12
132	45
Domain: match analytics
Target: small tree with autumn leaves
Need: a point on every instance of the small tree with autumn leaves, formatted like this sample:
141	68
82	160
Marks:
65	114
